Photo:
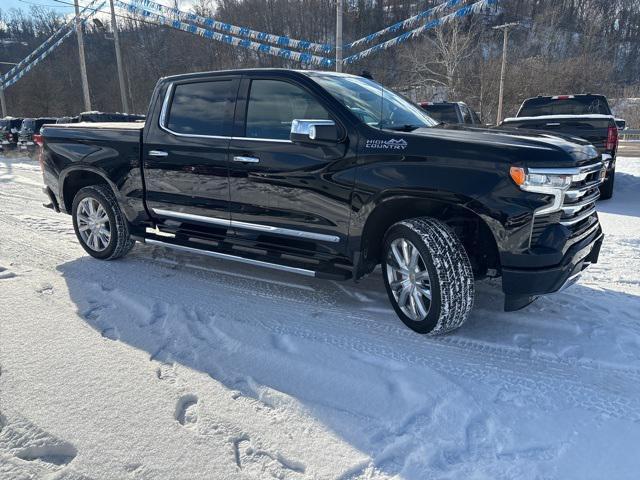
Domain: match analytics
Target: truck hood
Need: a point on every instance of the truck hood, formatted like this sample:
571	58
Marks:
578	149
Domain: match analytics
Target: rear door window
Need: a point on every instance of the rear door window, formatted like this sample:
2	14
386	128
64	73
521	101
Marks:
202	108
274	104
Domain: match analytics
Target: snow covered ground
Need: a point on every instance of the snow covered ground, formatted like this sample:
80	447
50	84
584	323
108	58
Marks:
171	366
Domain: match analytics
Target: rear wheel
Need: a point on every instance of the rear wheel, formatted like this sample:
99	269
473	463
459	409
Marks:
427	275
100	225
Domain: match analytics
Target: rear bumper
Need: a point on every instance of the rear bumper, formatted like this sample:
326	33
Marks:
522	286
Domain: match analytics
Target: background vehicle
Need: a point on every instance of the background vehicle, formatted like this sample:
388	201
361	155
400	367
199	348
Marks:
108	117
31	127
9	128
67	120
451	112
329	175
585	116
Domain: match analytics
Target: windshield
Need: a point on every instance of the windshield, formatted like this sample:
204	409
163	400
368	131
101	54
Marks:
28	125
582	105
442	113
374	104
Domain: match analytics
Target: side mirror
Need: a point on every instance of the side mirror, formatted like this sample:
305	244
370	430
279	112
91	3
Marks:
621	124
314	131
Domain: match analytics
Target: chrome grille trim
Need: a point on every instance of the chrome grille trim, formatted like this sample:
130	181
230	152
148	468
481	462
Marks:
578	218
574	207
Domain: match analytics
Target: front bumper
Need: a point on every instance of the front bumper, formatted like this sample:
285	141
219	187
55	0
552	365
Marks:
522	286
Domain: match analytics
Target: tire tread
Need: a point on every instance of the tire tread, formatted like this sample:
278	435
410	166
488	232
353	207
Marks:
455	275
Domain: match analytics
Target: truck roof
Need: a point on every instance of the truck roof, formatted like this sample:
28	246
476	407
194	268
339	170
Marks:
281	71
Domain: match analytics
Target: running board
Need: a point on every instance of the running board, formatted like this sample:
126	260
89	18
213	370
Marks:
227	256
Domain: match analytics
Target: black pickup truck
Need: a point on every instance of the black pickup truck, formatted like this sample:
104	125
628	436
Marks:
330	175
586	116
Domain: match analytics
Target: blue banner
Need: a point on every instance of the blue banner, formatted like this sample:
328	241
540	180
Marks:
279	40
463	12
403	25
305	58
43	46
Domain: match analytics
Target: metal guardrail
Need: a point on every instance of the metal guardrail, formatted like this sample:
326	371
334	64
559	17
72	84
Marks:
629	135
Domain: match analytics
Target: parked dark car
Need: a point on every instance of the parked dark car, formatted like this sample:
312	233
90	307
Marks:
9	128
585	116
451	112
96	117
29	129
329	175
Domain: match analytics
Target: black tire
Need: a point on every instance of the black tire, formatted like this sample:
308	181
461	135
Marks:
606	189
120	242
449	269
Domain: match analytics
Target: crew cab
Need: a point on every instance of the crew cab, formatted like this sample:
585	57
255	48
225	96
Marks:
586	116
330	175
451	112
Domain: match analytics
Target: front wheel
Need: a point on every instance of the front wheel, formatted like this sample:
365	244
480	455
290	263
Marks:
427	275
100	225
606	189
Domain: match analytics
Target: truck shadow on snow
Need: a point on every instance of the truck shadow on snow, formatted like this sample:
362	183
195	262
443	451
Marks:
626	197
338	351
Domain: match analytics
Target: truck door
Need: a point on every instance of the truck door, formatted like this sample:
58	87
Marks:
185	155
282	193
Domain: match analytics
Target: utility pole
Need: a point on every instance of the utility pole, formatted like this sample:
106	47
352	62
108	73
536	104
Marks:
116	38
83	66
2	100
339	35
505	43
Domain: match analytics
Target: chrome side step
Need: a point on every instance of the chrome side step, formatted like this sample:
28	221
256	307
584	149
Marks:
226	256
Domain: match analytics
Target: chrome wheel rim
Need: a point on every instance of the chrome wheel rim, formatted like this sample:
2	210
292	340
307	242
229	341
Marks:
93	224
409	279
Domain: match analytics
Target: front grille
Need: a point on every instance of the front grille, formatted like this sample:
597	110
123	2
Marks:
579	206
578	210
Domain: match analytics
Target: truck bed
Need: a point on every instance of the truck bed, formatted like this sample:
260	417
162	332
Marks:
593	128
102	125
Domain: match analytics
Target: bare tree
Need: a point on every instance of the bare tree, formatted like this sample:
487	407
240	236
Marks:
438	59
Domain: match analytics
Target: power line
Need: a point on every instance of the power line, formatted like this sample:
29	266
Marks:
117	14
43	4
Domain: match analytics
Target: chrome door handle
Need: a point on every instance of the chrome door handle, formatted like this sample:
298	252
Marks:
246	159
158	153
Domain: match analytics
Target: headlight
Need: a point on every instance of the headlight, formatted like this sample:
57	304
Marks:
547	183
539	182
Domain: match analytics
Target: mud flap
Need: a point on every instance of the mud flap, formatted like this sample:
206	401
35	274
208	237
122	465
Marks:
517	302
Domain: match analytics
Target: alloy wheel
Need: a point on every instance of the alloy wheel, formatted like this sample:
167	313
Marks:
409	279
93	224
